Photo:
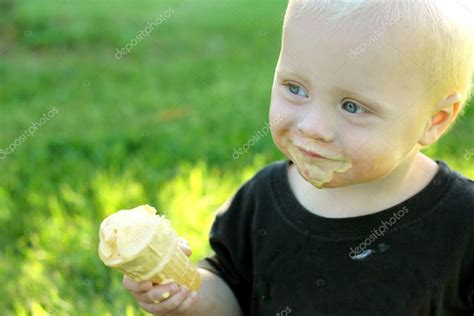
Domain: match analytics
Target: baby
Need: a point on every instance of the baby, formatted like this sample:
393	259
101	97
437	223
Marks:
357	221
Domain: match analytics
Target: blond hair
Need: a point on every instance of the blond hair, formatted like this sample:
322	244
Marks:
447	27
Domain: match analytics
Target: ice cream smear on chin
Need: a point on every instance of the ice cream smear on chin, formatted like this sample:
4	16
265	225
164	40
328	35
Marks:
144	246
317	171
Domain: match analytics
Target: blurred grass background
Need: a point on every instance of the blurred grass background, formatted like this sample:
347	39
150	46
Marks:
157	126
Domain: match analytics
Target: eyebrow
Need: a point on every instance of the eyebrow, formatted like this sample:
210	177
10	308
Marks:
294	74
369	102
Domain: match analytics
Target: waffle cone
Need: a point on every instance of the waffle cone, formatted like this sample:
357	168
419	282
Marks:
181	270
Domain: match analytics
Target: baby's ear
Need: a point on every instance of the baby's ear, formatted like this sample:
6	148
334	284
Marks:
453	98
443	116
449	103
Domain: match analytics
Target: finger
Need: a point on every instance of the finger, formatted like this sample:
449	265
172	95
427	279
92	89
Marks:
135	286
175	301
166	307
152	308
181	240
187	251
158	294
143	298
183	243
188	302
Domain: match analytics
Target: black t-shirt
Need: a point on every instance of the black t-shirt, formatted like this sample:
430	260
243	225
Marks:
415	258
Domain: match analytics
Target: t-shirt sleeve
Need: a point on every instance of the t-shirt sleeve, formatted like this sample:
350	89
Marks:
230	239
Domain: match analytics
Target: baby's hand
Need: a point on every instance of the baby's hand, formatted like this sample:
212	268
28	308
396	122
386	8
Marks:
164	299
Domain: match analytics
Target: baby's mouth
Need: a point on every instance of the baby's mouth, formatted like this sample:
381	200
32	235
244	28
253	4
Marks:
311	154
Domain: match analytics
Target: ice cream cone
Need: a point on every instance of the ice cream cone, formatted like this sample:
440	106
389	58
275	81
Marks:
144	246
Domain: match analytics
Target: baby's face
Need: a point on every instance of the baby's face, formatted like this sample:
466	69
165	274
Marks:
363	112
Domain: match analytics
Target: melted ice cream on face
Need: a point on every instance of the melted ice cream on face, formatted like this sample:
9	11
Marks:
124	234
316	171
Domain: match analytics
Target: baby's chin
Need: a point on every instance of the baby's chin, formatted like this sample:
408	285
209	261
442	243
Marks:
327	185
334	182
321	173
338	179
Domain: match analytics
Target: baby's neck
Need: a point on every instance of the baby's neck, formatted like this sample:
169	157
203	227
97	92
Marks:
363	199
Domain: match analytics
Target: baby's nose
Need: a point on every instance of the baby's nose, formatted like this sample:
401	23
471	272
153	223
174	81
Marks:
317	124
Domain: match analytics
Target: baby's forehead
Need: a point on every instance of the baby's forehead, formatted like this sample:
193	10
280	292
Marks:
385	59
327	51
361	28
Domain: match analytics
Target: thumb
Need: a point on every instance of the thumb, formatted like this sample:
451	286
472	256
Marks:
184	246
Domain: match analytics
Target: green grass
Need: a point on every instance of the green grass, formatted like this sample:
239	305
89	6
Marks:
157	126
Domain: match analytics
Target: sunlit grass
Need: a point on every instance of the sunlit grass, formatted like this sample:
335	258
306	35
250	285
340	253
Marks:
59	271
188	198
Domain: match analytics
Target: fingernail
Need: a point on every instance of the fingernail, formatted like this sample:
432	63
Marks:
156	296
165	295
185	246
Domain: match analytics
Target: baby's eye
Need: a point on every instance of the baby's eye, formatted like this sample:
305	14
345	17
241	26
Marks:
353	107
296	89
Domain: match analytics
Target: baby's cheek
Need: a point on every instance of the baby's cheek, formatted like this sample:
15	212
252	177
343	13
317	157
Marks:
370	167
